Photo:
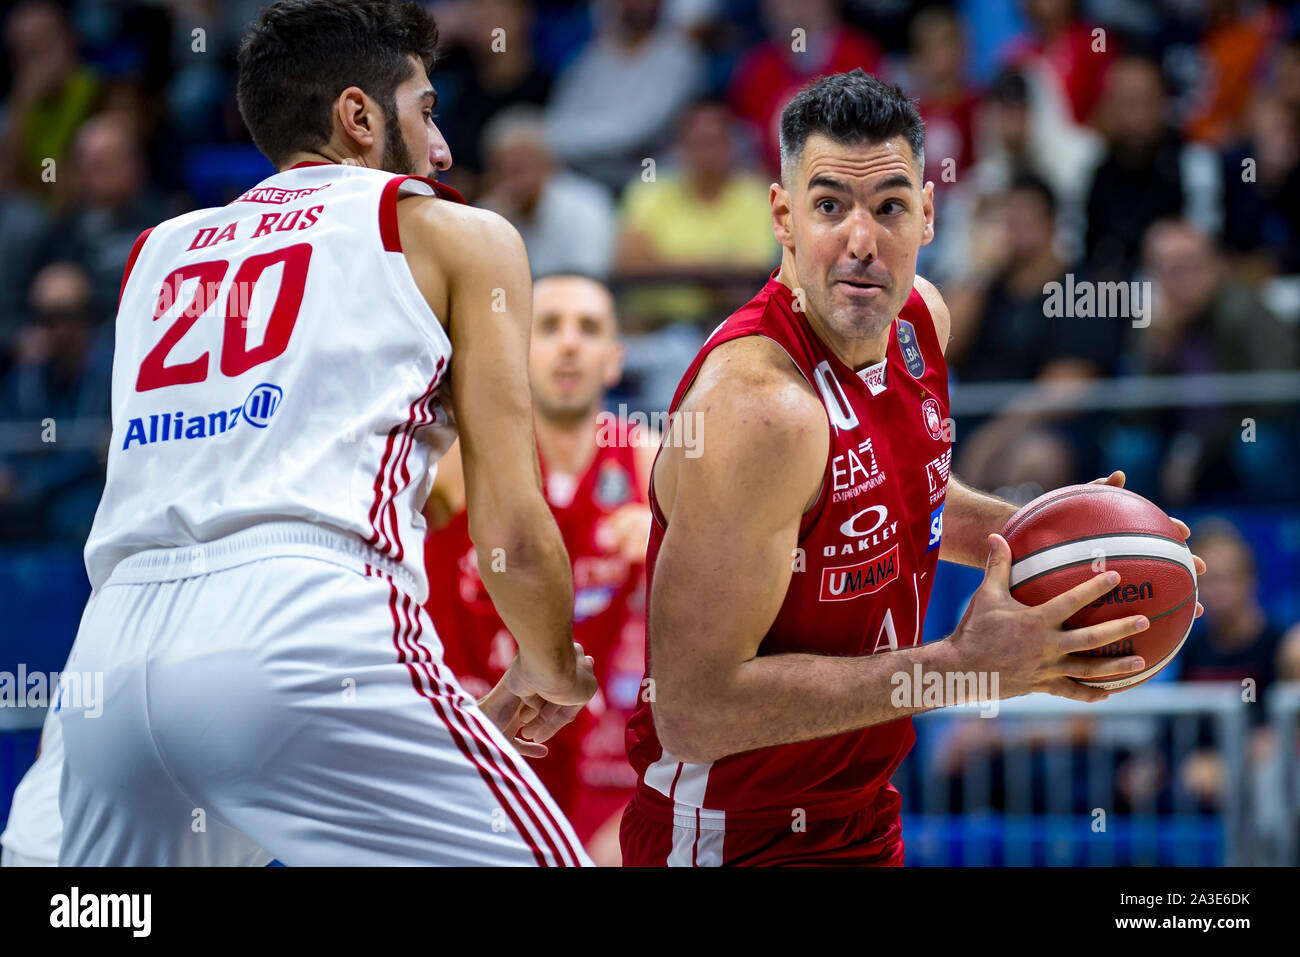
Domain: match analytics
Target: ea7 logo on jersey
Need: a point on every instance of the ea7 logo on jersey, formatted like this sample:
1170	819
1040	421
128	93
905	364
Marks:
854	472
936	529
843	582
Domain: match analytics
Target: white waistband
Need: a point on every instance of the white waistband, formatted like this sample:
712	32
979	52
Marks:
267	540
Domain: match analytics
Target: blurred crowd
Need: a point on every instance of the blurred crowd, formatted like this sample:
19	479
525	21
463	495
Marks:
1069	141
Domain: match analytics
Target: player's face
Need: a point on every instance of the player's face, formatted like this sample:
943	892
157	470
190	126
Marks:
412	143
854	219
575	354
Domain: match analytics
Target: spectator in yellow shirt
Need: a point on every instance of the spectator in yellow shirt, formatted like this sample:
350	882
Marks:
705	219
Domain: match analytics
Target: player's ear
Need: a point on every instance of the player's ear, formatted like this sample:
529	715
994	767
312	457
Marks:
354	114
927	208
782	227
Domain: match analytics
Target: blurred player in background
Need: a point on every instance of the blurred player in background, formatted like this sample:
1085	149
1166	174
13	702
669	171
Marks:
790	564
595	472
256	558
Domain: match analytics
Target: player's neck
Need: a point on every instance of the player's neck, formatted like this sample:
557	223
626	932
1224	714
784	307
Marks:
326	154
857	354
567	446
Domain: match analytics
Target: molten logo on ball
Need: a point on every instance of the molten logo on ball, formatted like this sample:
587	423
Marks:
1122	593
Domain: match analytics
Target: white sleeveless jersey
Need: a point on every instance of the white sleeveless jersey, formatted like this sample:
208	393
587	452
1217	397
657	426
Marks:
275	361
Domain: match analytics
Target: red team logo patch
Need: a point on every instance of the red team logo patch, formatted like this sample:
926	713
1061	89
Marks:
842	582
933	420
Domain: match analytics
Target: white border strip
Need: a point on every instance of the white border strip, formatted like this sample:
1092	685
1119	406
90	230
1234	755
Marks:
1111	547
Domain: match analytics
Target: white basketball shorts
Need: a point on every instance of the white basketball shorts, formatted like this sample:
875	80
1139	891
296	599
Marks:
31	837
278	694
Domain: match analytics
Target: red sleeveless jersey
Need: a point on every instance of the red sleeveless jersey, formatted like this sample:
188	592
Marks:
587	770
870	545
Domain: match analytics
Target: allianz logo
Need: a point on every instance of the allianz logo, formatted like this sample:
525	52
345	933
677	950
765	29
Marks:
257	410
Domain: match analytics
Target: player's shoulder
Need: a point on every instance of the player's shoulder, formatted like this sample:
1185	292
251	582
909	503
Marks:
179	222
748	392
455	229
938	308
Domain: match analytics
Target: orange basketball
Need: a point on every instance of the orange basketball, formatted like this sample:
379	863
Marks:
1071	534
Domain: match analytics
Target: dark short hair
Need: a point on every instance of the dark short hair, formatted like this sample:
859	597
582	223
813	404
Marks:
850	108
1027	182
300	55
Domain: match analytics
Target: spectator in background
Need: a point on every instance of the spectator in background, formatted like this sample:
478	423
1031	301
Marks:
1206	320
936	74
806	39
1000	331
115	202
52	92
1286	73
704	216
24	233
566	220
615	104
198	103
1066	55
62	372
1288	655
1148	171
1261	202
489	66
1233	641
937	77
1016	136
1231	53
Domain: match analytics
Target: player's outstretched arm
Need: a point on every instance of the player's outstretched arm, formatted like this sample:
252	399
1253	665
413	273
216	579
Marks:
727	558
522	559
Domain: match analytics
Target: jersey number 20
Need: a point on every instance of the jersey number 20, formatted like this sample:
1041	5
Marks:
236	356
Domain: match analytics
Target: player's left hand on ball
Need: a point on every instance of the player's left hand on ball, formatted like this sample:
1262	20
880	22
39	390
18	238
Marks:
1116	479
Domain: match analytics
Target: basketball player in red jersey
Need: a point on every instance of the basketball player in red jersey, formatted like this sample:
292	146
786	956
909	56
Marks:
595	476
790	563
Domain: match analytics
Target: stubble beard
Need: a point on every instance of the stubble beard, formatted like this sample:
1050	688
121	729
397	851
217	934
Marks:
397	158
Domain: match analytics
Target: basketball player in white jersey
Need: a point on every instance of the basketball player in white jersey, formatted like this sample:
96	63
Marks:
288	369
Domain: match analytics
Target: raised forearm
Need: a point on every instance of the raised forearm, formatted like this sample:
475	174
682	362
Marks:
969	517
781	699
